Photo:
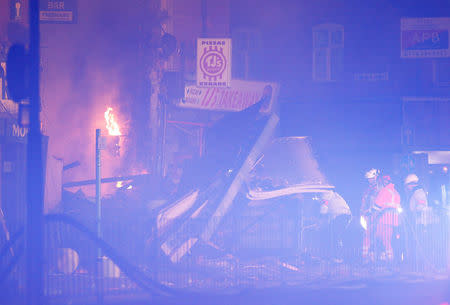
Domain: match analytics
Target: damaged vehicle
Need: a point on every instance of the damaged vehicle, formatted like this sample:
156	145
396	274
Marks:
252	197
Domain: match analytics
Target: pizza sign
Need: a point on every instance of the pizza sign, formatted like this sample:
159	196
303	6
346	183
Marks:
213	62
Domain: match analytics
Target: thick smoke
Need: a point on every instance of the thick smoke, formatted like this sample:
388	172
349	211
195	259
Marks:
102	60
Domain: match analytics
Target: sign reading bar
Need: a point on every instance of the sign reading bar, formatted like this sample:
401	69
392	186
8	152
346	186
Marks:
425	37
213	62
57	11
241	95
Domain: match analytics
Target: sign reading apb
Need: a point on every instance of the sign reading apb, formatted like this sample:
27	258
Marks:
57	11
425	37
213	62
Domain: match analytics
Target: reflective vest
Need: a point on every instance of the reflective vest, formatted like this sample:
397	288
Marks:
388	203
388	197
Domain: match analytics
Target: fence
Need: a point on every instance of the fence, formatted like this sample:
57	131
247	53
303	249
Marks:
261	247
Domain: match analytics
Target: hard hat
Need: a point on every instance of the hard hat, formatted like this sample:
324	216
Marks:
411	178
373	173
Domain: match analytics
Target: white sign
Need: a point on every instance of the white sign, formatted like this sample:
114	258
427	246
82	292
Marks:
3	91
6	104
58	11
213	62
371	76
240	95
425	37
18	131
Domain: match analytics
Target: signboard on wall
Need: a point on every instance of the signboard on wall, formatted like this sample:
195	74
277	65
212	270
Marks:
3	90
57	11
240	95
425	37
213	62
7	105
16	10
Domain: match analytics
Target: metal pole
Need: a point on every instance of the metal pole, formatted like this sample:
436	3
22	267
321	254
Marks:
246	58
163	140
154	109
98	183
35	185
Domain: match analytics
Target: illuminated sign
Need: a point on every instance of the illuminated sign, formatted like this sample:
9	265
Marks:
425	37
16	10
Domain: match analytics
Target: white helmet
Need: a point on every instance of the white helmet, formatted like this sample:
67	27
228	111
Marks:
373	173
411	178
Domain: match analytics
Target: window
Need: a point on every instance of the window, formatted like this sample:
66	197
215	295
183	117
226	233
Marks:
441	69
328	52
246	41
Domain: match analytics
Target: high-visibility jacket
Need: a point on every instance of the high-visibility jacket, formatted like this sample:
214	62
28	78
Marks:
387	202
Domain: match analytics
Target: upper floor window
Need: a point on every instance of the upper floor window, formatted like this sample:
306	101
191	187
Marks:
441	72
328	52
246	42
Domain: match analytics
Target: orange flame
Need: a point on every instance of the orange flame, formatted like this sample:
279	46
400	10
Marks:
111	123
119	184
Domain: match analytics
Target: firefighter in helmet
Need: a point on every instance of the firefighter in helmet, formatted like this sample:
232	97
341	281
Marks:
368	201
416	195
379	215
420	216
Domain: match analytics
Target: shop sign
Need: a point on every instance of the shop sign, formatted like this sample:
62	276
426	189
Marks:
3	91
425	37
240	95
371	76
57	11
9	128
6	104
18	132
16	10
213	62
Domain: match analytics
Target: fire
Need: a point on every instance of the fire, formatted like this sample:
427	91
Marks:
119	184
111	123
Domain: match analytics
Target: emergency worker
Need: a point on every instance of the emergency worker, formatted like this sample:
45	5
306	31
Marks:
416	196
419	219
366	212
339	215
387	207
379	215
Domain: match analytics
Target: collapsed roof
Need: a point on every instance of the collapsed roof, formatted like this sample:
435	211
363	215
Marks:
248	158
